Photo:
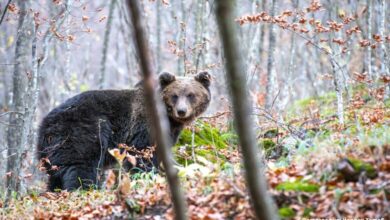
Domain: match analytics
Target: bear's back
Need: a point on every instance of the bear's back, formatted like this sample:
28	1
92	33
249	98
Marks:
86	111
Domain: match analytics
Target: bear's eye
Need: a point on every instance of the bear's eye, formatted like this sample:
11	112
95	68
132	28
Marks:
191	96
174	98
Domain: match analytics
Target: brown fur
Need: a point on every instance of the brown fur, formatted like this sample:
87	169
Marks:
75	136
192	95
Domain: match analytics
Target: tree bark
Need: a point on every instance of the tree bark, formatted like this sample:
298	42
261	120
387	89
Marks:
262	35
287	94
16	132
199	24
337	69
160	126
256	181
369	34
384	68
181	68
271	84
102	78
158	36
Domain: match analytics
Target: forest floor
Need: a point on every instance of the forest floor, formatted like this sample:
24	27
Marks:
315	169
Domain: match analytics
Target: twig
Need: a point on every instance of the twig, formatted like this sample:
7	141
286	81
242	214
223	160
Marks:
235	187
9	64
10	112
287	127
5	11
273	101
215	116
296	134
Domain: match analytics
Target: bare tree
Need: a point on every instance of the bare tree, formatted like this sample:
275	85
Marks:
271	84
160	127
337	70
262	34
17	132
158	36
199	27
287	94
369	34
384	66
105	45
256	180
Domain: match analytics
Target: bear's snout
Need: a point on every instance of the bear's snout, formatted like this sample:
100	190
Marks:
182	108
182	112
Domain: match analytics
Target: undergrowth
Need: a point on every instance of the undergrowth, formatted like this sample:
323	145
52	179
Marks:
319	169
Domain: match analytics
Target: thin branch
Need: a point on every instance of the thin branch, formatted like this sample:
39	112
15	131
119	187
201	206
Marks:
216	115
9	112
5	11
9	64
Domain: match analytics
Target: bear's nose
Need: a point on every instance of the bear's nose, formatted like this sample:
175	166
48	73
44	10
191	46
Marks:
181	112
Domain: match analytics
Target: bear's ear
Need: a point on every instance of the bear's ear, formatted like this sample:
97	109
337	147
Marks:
204	78
165	79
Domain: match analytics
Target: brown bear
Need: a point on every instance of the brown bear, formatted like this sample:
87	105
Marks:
74	138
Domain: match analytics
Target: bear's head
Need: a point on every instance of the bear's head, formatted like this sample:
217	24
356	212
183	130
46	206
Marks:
185	97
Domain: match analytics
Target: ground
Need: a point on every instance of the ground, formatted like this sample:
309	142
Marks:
316	168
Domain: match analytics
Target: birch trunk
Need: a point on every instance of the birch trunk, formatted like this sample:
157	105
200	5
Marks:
382	52
22	71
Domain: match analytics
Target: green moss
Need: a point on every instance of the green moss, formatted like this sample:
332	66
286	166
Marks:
286	212
230	138
387	103
298	186
326	102
206	135
205	141
360	166
267	144
307	211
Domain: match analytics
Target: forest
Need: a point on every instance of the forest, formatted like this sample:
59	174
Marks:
195	109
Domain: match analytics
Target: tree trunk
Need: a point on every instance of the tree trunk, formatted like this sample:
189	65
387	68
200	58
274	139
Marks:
369	34
199	29
339	91
181	65
22	71
271	84
256	180
160	126
384	68
158	36
262	35
337	68
287	94
102	78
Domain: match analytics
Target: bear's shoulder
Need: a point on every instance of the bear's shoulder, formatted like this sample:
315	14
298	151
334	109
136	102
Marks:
97	102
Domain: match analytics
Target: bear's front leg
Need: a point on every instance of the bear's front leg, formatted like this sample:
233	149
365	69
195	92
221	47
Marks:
78	176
